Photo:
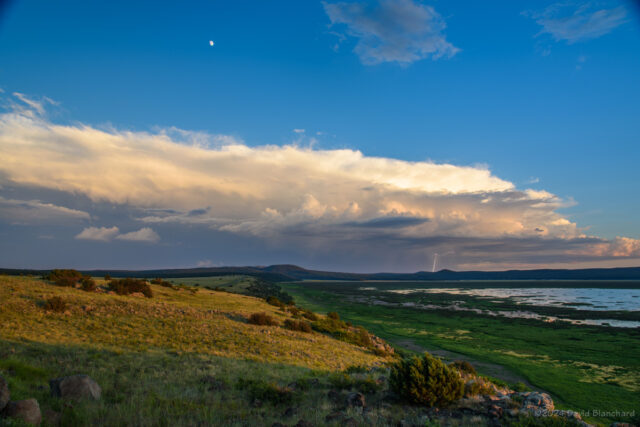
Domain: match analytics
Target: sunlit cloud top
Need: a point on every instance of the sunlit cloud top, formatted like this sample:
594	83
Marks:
297	196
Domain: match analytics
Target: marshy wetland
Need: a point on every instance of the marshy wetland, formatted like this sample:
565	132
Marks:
577	340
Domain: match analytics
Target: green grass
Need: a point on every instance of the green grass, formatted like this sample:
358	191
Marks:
584	368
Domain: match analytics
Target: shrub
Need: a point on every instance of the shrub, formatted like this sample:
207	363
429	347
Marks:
294	310
274	301
55	304
129	286
88	284
107	277
520	387
262	319
267	392
464	366
64	277
297	325
333	315
367	385
361	337
310	315
357	369
156	281
426	380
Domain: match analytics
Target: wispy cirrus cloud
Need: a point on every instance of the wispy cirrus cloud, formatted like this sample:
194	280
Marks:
301	198
575	22
402	31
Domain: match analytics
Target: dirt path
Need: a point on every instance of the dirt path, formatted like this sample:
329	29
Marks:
491	369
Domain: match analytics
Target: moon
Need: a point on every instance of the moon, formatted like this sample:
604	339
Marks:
211	43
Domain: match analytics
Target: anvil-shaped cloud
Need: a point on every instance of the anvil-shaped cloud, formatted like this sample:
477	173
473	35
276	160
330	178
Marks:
295	195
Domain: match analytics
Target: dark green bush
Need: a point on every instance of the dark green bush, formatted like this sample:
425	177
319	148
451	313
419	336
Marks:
297	325
64	277
426	381
55	304
88	284
128	286
464	366
267	392
310	315
357	369
367	385
333	315
262	319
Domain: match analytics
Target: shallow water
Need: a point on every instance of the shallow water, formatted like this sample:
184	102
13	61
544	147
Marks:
596	299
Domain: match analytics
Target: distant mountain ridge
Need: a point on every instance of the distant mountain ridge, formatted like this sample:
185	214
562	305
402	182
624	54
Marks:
289	273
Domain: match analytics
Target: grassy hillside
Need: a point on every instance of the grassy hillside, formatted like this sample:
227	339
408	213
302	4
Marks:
180	357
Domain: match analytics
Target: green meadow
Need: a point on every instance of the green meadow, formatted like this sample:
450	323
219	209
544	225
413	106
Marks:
583	367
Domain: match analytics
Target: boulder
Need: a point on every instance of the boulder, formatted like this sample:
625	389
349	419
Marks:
75	387
355	399
25	410
4	393
538	403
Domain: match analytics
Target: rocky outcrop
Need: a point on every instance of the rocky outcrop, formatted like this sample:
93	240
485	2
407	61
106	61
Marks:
75	387
25	410
537	403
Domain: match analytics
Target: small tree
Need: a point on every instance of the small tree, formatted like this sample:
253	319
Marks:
426	381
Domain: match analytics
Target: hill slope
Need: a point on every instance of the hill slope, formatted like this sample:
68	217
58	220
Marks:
179	358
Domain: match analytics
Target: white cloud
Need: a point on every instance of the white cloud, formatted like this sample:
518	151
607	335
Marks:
106	234
98	233
298	130
143	235
402	31
37	212
575	22
289	193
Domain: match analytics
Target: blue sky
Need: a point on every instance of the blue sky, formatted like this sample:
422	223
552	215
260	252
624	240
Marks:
543	94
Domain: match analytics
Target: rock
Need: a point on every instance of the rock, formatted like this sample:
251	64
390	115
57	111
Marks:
25	410
75	387
4	393
303	423
495	411
355	399
540	404
513	412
